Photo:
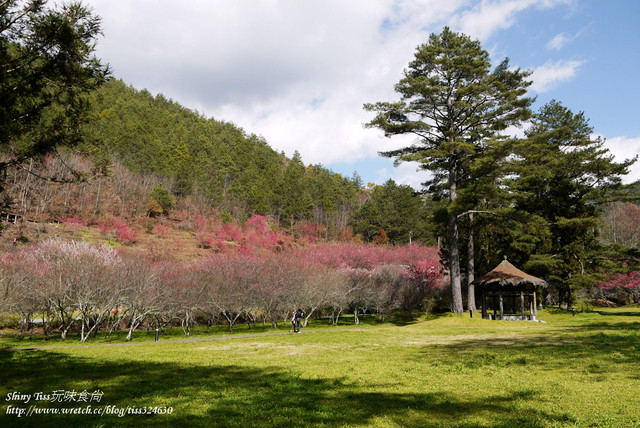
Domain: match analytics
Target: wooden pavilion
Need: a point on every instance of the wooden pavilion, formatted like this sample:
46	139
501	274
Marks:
510	292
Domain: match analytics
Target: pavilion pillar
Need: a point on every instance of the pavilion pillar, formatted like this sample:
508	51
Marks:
522	304
501	306
484	303
535	306
495	307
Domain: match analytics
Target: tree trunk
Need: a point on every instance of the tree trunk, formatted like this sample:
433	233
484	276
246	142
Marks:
82	336
63	334
454	256
306	319
132	326
471	267
130	333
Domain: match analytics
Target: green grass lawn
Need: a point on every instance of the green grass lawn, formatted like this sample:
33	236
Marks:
443	371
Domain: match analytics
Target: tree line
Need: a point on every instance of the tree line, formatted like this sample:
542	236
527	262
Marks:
77	287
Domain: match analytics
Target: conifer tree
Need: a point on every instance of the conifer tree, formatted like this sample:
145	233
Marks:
47	68
563	174
452	102
397	210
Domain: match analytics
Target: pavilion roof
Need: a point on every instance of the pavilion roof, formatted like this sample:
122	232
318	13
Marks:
507	274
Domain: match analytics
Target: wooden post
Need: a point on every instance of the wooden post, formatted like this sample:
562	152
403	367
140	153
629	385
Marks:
535	306
522	304
531	308
501	306
484	303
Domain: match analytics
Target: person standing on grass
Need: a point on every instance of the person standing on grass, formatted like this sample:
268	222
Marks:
293	322
298	319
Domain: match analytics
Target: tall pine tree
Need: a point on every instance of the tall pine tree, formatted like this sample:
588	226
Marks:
452	102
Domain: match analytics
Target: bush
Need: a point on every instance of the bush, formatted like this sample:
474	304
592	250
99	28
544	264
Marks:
161	195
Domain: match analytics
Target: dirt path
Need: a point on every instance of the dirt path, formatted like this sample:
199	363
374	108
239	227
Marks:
198	339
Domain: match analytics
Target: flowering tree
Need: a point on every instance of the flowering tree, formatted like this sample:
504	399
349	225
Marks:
83	277
144	293
20	295
358	256
387	285
185	295
221	277
322	287
97	287
624	288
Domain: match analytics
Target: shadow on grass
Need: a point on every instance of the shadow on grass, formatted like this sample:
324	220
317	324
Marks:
403	318
590	348
619	314
604	326
240	396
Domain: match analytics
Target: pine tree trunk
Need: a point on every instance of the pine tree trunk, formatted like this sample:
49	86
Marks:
454	256
471	268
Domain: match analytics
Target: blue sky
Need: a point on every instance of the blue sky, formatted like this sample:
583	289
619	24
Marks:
298	72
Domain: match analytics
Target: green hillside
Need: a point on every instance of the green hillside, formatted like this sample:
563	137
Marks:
234	170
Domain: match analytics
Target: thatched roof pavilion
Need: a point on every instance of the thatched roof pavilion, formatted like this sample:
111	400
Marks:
503	286
506	274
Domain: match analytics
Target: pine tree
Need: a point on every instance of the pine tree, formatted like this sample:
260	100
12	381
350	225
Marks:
47	68
452	102
563	175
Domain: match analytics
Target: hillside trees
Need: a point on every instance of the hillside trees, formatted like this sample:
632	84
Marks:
47	68
215	161
621	224
452	102
396	209
293	200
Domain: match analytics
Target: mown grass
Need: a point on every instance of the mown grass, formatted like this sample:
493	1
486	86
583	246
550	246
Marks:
443	371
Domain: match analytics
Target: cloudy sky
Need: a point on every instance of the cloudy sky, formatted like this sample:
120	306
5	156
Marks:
297	72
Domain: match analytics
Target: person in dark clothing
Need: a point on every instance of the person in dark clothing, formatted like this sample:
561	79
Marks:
298	317
293	322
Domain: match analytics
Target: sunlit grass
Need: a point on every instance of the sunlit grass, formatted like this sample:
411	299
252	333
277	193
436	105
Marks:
442	371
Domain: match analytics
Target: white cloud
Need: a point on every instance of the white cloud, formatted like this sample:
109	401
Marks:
550	74
623	148
408	173
559	41
295	72
482	20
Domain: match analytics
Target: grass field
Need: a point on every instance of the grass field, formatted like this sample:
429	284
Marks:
442	371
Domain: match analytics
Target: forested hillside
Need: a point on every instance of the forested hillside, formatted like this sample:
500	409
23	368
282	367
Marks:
235	171
145	155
